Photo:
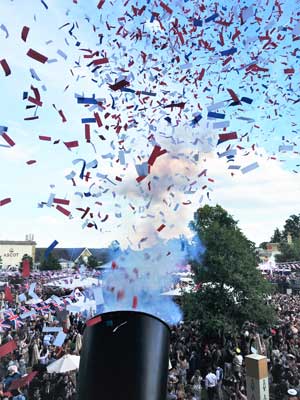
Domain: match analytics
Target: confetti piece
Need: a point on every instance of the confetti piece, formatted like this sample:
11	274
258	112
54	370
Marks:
4	29
166	7
5	201
24	33
100	4
50	248
63	210
119	85
30	162
61	201
44	4
228	52
161	227
5	67
223	137
157	152
214	115
45	138
134	302
249	168
7	138
37	56
100	61
72	144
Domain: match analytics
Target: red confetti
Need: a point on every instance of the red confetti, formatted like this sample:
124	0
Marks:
119	85
100	61
24	33
5	201
161	227
63	210
100	4
289	71
37	56
87	132
114	265
61	113
7	139
120	294
134	302
166	7
45	138
233	95
72	144
61	201
155	154
5	67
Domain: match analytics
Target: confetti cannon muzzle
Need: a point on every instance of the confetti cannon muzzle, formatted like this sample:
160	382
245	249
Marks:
125	357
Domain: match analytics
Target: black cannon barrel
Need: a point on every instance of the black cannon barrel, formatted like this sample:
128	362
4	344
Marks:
124	357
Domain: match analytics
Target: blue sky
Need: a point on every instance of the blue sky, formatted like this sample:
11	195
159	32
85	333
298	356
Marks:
261	199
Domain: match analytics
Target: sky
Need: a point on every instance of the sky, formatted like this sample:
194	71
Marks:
229	67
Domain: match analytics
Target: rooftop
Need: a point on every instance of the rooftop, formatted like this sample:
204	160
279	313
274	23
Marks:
18	242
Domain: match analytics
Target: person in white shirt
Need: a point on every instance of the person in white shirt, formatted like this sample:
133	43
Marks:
211	382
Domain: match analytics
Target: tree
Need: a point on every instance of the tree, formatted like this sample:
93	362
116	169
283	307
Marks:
1	262
263	245
289	252
277	236
292	226
92	262
49	263
26	257
231	289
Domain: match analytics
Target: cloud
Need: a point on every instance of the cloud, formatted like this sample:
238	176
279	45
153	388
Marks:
261	200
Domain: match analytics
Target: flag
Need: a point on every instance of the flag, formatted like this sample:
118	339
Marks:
8	294
14	318
7	348
4	325
26	268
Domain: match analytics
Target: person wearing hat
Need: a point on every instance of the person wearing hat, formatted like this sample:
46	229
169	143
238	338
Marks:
292	394
237	363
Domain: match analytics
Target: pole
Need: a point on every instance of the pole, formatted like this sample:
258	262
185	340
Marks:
257	377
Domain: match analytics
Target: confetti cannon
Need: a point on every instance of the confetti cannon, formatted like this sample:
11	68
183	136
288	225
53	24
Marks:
124	356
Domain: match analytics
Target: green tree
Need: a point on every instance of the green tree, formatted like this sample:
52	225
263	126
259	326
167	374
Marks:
264	245
276	237
289	252
49	263
92	262
26	257
231	289
292	226
1	262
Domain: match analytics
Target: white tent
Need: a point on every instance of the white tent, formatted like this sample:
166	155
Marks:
72	283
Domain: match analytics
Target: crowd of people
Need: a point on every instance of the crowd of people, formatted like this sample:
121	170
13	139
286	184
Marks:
212	369
215	369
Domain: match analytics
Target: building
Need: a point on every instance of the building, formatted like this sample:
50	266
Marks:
12	252
68	257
